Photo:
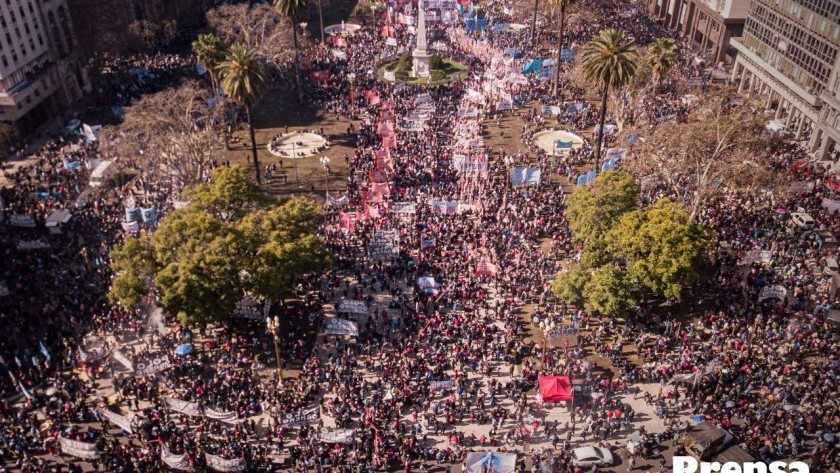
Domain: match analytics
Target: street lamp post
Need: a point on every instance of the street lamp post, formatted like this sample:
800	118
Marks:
509	161
273	327
325	161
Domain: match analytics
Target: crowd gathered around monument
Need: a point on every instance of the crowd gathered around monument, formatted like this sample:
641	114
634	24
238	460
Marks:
433	316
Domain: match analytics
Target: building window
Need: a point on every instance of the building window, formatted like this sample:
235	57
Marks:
682	13
5	61
65	25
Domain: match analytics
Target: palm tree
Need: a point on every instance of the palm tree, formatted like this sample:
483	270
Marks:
661	57
243	80
608	60
562	4
210	51
293	9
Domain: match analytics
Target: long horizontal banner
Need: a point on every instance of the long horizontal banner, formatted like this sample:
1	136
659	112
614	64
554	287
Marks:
78	449
152	366
302	417
341	327
221	464
352	306
344	436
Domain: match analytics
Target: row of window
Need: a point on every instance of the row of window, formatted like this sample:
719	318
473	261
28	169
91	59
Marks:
63	42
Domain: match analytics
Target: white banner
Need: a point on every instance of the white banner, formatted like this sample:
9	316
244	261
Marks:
754	256
303	417
152	366
341	327
562	331
78	449
184	407
339	202
467	112
353	307
19	220
439	385
422	98
121	421
131	226
336	435
773	292
413	126
32	244
403	208
831	205
389	76
226	417
220	464
92	132
177	462
504	105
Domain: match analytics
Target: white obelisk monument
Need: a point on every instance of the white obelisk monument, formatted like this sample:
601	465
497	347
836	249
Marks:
420	67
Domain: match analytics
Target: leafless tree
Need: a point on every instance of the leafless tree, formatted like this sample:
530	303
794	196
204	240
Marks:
720	146
259	26
8	138
174	131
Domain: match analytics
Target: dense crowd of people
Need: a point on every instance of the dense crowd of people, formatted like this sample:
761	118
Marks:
444	362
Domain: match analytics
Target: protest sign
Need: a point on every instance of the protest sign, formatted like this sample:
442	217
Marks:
426	281
353	307
427	243
444	207
78	449
440	385
475	163
121	421
152	366
422	98
341	327
504	105
122	359
413	126
616	153
302	417
755	256
336	435
19	220
187	408
176	462
220	464
130	227
338	202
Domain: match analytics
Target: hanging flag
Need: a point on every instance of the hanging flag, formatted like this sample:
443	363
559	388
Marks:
45	351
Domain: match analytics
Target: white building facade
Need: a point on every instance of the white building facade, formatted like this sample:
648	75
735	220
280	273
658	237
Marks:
789	55
41	71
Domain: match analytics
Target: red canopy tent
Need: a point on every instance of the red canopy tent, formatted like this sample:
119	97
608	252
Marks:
555	388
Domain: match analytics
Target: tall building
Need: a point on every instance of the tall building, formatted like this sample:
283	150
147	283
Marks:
40	70
707	23
788	54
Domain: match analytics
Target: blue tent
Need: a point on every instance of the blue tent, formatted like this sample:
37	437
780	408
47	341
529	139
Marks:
184	349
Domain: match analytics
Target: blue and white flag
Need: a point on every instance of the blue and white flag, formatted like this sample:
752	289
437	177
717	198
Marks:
525	176
45	351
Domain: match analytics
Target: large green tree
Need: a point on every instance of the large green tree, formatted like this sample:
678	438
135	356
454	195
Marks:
231	240
293	9
592	211
609	61
628	253
660	248
243	79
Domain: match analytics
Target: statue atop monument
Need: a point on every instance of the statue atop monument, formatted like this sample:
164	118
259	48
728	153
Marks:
420	66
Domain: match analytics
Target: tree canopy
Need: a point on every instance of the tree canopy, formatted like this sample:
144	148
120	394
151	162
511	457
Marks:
628	253
231	240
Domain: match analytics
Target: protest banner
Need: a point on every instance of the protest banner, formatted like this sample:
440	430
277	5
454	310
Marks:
226	417
525	176
152	366
403	208
344	436
422	98
184	407
176	462
131	227
504	105
220	464
689	378
467	112
20	220
474	163
413	126
427	243
755	256
440	385
562	331
27	245
773	292
338	202
616	153
352	306
78	449
302	417
426	281
485	268
444	207
248	308
341	327
121	421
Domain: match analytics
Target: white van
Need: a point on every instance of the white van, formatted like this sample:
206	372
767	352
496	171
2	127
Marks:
802	220
100	174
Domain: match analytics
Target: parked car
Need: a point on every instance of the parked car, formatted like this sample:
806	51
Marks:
803	220
830	267
585	457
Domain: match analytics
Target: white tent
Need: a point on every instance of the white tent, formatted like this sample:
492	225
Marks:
490	462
